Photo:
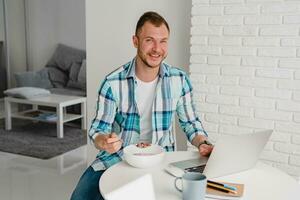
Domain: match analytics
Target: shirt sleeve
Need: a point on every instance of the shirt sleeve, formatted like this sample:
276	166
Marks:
105	111
188	119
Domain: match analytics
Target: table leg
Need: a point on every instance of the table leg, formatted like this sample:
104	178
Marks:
83	112
7	107
60	122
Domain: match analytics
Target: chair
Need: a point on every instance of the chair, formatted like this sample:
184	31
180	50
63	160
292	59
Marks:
141	188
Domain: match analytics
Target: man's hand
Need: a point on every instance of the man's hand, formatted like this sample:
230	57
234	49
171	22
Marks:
205	149
110	143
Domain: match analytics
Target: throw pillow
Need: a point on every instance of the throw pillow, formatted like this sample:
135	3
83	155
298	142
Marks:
64	56
57	77
33	79
26	92
82	73
73	75
77	78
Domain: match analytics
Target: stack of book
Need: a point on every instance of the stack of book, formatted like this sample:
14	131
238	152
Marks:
48	116
33	113
37	114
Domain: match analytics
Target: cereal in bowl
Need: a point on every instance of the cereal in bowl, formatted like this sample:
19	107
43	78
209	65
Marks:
143	145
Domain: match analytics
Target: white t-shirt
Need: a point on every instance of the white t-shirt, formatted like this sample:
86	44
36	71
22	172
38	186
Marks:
145	93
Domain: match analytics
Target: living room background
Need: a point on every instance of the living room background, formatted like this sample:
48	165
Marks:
34	28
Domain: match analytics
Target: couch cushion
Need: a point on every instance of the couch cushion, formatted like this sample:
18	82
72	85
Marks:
64	56
82	75
26	92
57	77
73	76
74	85
33	79
80	81
68	91
74	71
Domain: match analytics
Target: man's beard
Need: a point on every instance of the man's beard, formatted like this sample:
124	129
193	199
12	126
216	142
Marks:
146	63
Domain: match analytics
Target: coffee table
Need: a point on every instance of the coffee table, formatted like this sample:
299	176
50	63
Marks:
60	102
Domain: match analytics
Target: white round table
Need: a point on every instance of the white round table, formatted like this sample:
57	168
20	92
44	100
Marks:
262	182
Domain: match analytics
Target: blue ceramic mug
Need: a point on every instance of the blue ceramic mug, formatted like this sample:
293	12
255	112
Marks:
193	186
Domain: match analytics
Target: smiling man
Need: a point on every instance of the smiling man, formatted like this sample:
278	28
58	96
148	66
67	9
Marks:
137	103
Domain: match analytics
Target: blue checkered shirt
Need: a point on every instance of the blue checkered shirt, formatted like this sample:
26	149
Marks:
117	110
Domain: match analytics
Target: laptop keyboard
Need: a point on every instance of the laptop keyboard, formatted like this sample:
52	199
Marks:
195	169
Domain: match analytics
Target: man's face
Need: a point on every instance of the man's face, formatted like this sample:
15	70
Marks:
152	44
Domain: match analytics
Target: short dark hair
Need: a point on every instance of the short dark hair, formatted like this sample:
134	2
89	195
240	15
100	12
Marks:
152	17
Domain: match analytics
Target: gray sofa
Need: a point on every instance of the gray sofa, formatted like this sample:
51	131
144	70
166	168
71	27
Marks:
64	73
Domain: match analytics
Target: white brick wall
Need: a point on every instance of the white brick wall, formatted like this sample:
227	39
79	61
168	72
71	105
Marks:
245	68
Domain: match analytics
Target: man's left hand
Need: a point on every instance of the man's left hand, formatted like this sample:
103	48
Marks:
205	149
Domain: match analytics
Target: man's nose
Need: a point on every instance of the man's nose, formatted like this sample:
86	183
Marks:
155	46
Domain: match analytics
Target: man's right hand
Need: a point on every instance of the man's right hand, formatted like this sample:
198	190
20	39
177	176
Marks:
110	143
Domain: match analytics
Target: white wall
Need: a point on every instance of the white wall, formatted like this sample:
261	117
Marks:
110	26
245	66
50	23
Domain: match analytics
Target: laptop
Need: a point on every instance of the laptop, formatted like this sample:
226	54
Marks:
231	154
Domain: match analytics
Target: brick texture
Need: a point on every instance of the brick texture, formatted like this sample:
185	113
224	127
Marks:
245	69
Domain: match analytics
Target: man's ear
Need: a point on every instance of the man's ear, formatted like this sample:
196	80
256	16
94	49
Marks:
135	41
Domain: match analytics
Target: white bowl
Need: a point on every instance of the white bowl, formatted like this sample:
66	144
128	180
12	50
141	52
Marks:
143	157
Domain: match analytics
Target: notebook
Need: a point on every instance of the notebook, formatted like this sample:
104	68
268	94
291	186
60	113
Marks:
231	154
215	194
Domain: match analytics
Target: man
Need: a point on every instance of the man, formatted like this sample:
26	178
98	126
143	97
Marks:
137	103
